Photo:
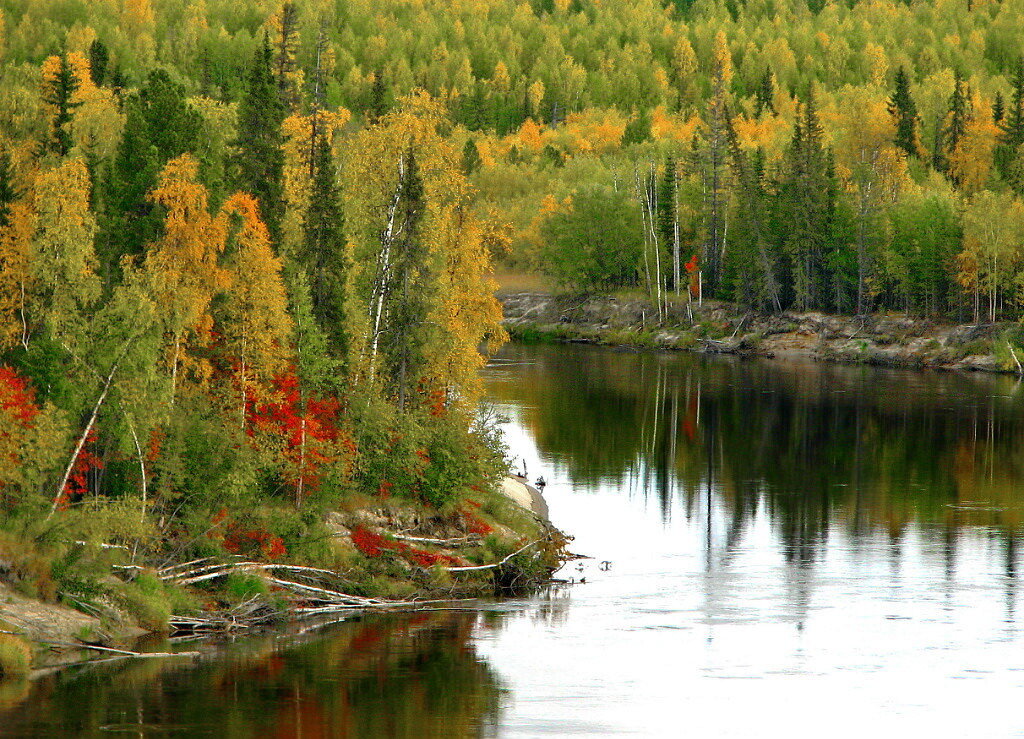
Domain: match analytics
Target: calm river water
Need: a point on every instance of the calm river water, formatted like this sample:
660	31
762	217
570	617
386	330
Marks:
778	549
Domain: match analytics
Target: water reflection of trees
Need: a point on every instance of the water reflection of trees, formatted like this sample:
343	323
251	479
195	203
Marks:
815	446
415	676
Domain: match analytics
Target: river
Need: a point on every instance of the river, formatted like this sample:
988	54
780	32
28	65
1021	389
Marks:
776	549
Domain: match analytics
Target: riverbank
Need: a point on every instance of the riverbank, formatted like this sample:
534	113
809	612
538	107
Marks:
891	340
385	556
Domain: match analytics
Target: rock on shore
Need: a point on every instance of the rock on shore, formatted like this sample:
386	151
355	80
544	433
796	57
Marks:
716	327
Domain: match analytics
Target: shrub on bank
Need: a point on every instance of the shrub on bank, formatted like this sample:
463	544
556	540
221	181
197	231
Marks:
15	657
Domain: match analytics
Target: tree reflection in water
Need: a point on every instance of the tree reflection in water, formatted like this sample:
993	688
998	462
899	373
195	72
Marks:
403	675
818	448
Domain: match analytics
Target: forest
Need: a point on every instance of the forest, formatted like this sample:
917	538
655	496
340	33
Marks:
246	247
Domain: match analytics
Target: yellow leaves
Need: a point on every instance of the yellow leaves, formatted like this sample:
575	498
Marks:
63	261
256	323
876	63
463	310
970	164
768	132
183	267
501	79
298	146
535	96
722	58
531	136
15	275
674	127
993	234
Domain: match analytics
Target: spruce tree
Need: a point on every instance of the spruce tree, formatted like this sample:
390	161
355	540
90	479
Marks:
8	193
323	252
998	108
405	334
159	126
259	162
59	94
956	124
1011	133
470	157
99	58
1013	123
904	112
764	96
378	98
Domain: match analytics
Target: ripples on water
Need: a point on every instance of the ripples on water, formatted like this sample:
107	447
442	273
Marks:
778	549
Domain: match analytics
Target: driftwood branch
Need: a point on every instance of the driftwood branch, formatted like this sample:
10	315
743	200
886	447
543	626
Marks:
496	564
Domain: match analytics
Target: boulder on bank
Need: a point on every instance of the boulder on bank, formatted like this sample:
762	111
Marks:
519	491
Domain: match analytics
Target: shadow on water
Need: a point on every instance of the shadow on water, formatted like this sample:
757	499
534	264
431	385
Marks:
408	675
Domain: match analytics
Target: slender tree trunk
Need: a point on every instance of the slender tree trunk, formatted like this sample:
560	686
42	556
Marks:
82	439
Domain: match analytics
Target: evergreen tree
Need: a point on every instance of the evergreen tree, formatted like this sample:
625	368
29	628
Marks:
287	42
668	218
764	96
998	108
99	58
470	157
378	98
405	334
807	197
904	112
8	193
58	93
259	162
1012	131
159	126
956	122
1013	125
323	255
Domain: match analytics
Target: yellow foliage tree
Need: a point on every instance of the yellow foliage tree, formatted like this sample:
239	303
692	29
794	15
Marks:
183	266
254	317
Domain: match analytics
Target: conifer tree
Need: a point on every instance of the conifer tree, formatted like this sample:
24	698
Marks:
470	157
259	162
668	217
764	96
159	126
956	123
8	193
59	87
378	98
287	41
99	58
404	338
324	258
904	111
998	108
1011	131
1013	125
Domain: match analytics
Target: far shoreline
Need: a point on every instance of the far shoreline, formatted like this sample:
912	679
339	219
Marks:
881	339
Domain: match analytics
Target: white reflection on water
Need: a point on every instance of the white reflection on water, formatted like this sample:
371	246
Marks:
684	637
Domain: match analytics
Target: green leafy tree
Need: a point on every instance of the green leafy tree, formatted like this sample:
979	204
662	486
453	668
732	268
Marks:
596	243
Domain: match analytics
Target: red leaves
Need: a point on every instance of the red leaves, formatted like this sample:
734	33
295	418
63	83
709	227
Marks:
372	544
78	481
307	427
691	266
17	397
238	540
474	524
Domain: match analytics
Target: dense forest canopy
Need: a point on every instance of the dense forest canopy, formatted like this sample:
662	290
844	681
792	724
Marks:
245	247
